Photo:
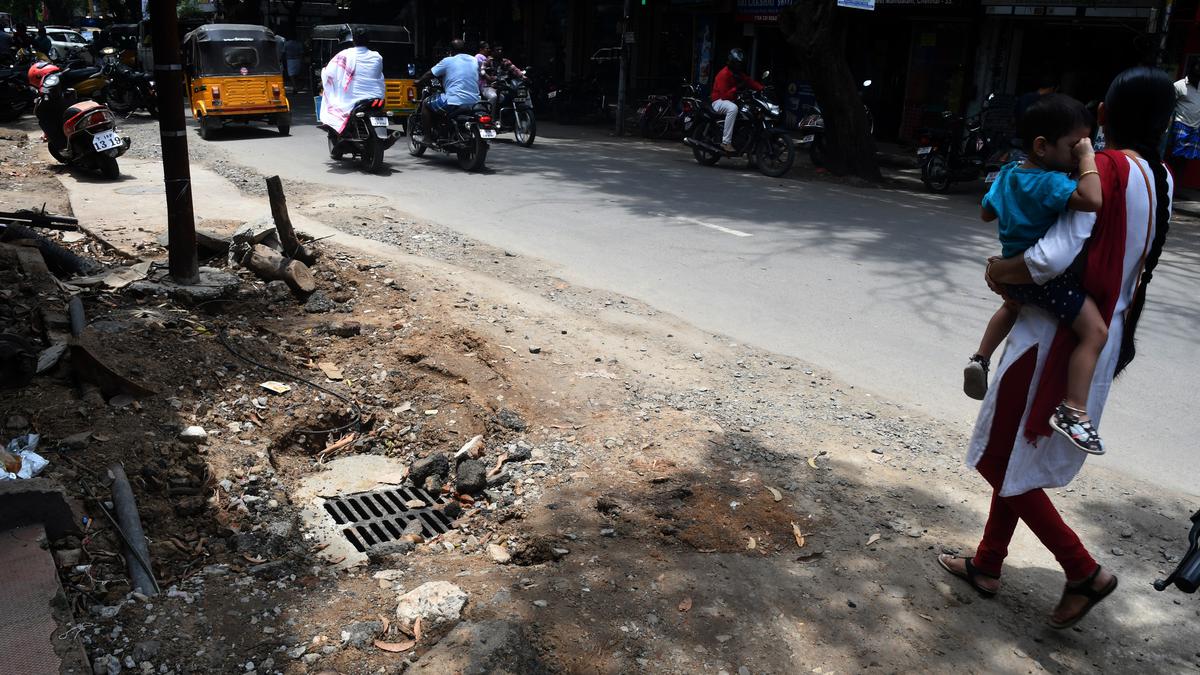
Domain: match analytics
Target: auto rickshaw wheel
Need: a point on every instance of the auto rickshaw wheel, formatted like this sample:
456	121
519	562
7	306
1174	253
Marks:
283	122
206	128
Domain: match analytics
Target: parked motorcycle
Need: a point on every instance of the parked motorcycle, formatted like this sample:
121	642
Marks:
515	110
78	133
961	153
16	97
365	136
755	136
812	130
128	90
664	116
465	133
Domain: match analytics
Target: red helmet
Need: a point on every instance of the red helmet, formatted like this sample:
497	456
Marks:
38	72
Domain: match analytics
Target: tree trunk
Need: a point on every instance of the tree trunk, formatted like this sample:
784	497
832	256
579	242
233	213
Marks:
269	265
816	29
283	223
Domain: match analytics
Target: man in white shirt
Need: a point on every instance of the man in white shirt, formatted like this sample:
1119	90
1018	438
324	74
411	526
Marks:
1185	129
354	74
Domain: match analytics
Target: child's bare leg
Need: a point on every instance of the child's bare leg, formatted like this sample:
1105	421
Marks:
1089	327
998	328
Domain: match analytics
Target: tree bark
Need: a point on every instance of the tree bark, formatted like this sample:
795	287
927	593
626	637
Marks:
268	264
816	29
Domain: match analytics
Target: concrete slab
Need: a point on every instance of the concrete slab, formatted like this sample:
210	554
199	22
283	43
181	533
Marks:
35	613
37	501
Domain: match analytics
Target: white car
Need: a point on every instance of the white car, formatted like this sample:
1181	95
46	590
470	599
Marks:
68	44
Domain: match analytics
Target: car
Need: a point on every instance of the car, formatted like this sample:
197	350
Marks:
68	44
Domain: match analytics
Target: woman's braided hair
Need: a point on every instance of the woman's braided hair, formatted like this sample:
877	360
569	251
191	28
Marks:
1138	109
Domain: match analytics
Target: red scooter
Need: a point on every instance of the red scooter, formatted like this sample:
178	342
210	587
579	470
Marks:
78	133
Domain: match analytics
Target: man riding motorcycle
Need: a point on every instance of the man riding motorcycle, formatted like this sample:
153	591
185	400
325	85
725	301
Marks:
459	74
353	74
725	88
496	66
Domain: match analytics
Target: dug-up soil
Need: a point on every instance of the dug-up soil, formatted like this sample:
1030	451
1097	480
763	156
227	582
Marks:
682	504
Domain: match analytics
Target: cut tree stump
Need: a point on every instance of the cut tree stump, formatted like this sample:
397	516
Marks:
283	223
270	265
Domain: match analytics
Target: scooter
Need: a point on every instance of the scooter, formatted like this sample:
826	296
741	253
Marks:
365	135
812	130
78	133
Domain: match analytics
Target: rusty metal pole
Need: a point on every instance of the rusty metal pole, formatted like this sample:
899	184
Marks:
168	78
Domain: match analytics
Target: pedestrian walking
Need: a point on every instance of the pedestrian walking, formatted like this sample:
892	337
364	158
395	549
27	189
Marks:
293	56
1185	129
1012	446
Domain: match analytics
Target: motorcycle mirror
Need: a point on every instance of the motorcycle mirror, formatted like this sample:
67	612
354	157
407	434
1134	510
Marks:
766	74
991	96
866	83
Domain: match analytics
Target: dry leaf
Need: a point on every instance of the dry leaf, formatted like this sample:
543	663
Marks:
395	647
387	623
331	370
251	559
752	544
812	461
926	617
685	604
417	630
798	535
100	437
775	493
872	539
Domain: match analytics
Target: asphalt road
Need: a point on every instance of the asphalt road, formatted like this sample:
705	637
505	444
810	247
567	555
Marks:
882	287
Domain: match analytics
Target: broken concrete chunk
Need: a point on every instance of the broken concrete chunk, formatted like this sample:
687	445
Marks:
499	553
433	465
194	434
436	603
471	477
511	419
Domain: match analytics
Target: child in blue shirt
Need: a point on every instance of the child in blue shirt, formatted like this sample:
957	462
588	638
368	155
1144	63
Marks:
1026	199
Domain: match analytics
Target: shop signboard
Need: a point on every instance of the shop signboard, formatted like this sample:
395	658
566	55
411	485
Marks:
868	5
760	11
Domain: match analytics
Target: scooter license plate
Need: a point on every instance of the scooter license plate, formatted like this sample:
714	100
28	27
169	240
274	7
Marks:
809	138
487	133
106	140
552	94
991	177
921	152
379	121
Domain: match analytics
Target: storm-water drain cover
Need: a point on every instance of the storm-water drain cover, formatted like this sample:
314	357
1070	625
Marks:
373	520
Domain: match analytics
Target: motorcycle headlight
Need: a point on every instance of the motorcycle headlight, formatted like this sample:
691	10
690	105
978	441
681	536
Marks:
772	109
49	81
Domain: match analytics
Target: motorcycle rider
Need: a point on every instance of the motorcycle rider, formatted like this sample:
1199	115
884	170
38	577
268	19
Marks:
496	66
486	78
353	74
42	42
729	80
459	74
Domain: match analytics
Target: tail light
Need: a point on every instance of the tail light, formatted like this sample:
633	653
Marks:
412	95
485	119
96	118
216	95
274	91
687	106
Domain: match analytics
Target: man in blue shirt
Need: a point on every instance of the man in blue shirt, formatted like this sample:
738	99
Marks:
459	74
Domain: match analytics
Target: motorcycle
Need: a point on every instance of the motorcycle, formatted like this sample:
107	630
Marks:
962	153
128	90
756	135
515	110
78	133
812	130
464	133
16	97
663	116
365	135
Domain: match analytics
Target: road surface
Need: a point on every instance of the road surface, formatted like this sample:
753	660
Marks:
882	287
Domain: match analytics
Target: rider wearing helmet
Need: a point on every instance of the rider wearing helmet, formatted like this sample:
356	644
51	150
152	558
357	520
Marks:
725	88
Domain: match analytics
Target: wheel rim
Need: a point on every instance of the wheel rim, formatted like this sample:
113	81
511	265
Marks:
776	155
938	176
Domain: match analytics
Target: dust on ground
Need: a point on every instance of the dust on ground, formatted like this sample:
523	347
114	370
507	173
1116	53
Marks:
684	504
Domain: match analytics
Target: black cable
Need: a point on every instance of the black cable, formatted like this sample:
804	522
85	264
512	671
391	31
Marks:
356	422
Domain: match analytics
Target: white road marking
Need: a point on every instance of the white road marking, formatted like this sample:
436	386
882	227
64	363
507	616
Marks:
718	228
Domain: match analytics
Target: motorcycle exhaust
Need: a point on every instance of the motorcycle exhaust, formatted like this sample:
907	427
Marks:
703	145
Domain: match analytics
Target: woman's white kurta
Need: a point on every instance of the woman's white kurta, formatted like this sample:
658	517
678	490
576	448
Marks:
1054	461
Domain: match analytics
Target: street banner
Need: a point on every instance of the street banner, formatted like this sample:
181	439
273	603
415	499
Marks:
868	5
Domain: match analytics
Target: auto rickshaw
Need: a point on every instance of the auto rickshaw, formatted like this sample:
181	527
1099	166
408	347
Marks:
233	75
394	44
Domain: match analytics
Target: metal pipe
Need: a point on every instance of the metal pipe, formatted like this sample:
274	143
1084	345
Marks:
181	225
137	555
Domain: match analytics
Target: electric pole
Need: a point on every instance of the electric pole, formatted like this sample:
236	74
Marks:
177	174
624	65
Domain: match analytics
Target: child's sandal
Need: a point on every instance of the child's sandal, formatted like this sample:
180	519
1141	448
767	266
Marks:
1082	433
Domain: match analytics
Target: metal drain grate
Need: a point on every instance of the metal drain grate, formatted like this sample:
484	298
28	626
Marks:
372	521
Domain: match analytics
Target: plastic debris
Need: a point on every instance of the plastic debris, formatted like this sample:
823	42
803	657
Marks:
31	463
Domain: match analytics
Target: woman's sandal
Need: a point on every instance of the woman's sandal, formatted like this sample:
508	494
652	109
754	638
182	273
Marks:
970	575
1082	433
1084	589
